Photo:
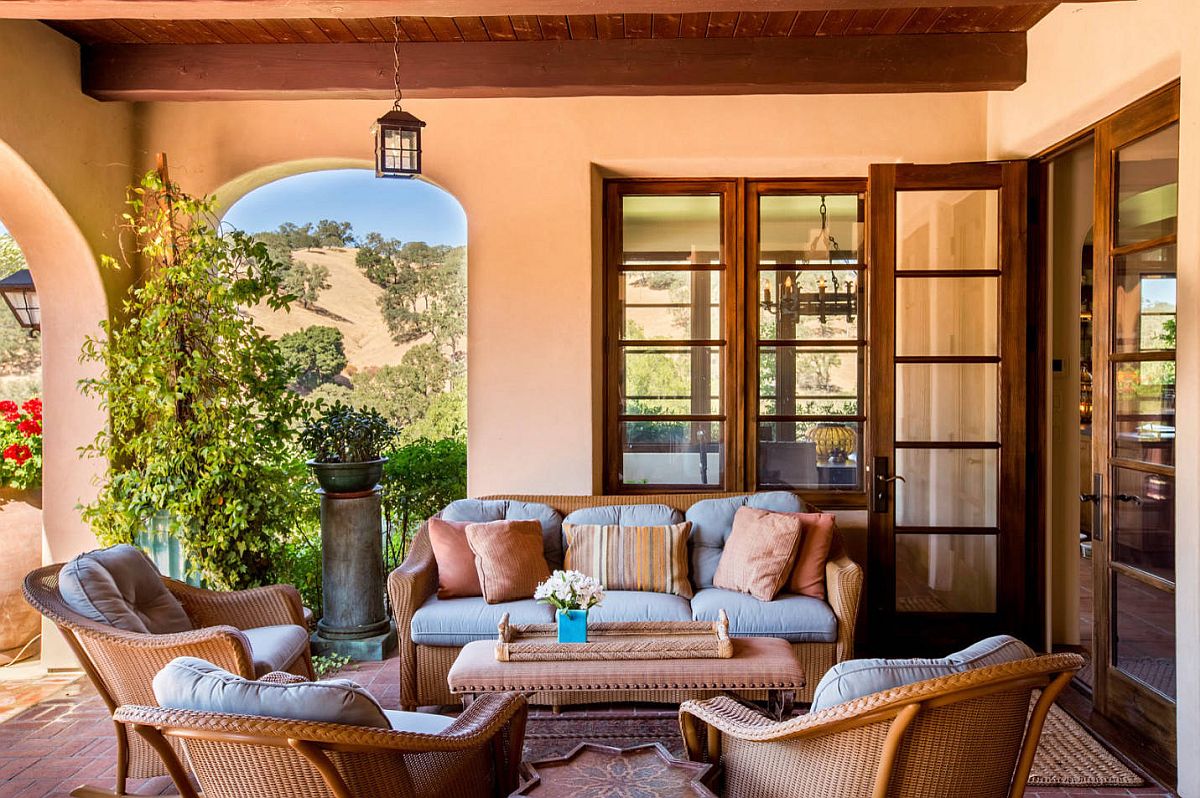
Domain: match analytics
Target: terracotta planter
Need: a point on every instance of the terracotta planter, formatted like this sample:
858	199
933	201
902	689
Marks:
20	553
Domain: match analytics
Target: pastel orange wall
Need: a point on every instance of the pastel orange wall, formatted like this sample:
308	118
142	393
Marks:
527	173
64	163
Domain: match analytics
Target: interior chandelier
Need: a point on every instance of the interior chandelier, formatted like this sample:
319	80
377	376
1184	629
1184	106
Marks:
397	133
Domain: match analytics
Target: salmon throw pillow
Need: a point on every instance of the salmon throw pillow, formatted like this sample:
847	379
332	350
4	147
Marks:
508	559
817	531
759	553
457	577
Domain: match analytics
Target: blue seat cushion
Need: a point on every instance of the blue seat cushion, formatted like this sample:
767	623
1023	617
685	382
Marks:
624	515
484	510
712	522
637	605
797	619
458	621
856	678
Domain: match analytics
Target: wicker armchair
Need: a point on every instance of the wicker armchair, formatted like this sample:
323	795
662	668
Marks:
969	735
240	756
122	664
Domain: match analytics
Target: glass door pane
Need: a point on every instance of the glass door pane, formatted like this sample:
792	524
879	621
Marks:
1133	415
947	400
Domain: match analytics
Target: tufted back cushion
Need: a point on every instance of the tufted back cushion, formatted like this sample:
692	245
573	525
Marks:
120	587
191	683
481	511
712	523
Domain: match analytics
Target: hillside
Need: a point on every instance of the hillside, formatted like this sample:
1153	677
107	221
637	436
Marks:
350	304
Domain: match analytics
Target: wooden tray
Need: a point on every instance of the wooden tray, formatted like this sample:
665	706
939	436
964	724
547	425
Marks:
617	640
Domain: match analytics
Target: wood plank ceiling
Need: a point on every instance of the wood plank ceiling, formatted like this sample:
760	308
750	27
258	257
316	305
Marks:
701	25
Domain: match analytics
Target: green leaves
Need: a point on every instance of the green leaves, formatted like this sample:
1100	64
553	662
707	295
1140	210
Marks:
200	418
341	434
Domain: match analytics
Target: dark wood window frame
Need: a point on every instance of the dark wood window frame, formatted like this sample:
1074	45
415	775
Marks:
740	334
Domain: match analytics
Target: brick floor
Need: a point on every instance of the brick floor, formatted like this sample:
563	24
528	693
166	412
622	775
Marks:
60	743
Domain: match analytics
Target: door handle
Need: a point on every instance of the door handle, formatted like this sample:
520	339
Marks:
1126	497
880	482
1097	506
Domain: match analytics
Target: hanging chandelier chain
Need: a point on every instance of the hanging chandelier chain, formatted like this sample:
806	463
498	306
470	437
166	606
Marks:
396	61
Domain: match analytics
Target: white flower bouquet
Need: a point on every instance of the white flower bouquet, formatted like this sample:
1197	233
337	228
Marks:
570	590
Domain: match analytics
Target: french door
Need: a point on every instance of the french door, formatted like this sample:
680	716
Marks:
948	340
1133	435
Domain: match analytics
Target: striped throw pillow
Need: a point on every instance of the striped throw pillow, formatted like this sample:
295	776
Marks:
650	558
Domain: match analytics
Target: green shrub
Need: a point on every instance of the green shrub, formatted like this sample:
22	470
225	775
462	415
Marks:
419	480
200	416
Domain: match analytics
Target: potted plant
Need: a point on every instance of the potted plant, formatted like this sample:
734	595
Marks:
572	594
20	523
347	447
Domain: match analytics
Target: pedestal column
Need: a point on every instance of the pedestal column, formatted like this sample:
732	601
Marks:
355	621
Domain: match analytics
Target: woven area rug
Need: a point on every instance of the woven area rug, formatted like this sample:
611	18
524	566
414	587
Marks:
1067	755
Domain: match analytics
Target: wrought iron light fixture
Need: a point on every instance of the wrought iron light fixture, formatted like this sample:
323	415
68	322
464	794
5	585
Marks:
21	296
791	302
397	133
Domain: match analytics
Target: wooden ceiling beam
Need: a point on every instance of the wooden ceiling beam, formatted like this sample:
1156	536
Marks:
815	65
293	9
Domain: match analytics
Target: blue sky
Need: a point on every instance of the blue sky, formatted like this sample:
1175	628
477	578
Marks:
410	210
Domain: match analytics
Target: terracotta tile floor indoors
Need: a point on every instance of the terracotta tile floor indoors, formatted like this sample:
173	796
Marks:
66	740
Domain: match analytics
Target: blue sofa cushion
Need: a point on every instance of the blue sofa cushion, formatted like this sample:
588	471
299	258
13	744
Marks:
856	678
458	621
636	605
624	515
484	510
797	619
712	521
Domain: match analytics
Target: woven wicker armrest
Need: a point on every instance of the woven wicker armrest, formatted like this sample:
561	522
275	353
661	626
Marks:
410	586
272	605
843	587
470	731
733	718
128	662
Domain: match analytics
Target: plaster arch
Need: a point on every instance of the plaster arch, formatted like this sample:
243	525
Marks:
73	301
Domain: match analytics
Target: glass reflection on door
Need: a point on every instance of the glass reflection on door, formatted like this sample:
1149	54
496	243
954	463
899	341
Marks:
947	402
1141	430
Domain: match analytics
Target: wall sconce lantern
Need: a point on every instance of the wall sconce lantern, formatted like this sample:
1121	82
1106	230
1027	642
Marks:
21	296
397	133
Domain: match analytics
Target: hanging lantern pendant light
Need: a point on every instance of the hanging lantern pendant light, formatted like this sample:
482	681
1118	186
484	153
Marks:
397	133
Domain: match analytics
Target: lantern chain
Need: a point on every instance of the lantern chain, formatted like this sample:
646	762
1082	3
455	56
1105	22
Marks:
396	62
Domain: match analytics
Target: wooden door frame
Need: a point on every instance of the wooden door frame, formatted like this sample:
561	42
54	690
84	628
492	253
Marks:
1013	606
1112	689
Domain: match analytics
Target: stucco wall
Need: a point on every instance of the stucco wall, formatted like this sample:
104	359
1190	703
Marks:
527	173
64	163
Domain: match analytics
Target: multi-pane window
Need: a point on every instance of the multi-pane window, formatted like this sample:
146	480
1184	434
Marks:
668	355
734	340
806	267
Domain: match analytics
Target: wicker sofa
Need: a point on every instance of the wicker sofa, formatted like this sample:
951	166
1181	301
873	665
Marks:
425	659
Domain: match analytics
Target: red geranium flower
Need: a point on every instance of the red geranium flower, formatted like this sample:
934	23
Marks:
29	427
34	408
10	411
18	453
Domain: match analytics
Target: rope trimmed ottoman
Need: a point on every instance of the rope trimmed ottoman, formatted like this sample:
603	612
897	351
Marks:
758	663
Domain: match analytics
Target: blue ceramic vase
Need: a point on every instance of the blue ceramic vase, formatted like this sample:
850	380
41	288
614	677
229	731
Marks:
572	626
